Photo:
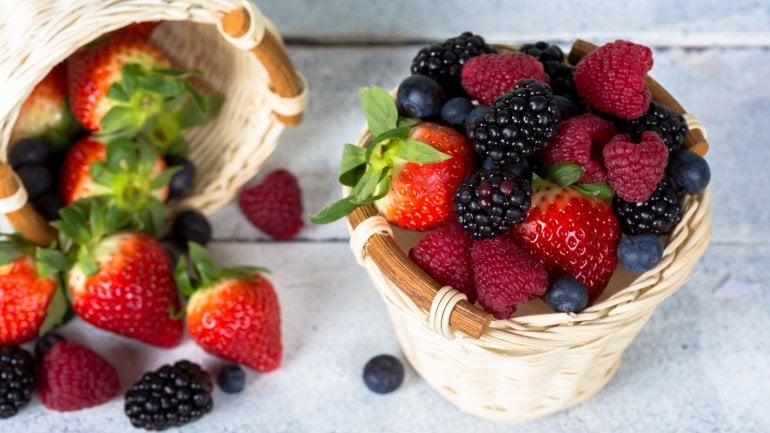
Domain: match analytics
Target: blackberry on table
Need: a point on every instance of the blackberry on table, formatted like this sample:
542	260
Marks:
17	379
444	61
671	127
519	124
492	201
171	396
658	215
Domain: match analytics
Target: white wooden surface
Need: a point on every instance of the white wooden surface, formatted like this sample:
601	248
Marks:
701	362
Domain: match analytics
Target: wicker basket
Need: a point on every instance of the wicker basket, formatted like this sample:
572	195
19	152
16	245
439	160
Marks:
239	51
536	362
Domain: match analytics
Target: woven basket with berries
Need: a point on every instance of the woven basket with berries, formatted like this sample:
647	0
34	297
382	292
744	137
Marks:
122	124
522	213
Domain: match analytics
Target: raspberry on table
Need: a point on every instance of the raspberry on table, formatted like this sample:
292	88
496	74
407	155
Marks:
506	275
658	215
518	125
611	79
489	76
17	379
635	169
580	140
445	254
275	205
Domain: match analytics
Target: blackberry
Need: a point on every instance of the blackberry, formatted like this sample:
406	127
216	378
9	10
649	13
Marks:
490	202
17	379
519	124
671	127
559	73
171	396
444	61
543	51
658	215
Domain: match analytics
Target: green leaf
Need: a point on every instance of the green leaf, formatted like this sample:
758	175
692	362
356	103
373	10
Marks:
119	121
383	186
119	150
98	222
353	158
421	153
57	310
351	177
395	133
73	224
116	93
50	261
408	122
115	219
364	189
202	263
86	263
179	73
243	272
334	211
164	178
564	173
182	278
128	77
162	85
9	252
601	190
379	109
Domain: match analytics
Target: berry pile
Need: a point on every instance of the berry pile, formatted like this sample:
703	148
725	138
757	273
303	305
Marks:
555	173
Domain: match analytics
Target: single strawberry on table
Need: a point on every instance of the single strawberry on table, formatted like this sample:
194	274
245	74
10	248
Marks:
275	205
409	170
232	313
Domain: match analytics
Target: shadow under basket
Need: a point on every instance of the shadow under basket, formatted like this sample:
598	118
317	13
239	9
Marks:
239	51
537	362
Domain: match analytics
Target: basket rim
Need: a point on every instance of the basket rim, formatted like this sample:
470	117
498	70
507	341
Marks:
689	240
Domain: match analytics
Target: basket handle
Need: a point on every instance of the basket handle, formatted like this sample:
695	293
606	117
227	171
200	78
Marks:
696	138
285	83
22	216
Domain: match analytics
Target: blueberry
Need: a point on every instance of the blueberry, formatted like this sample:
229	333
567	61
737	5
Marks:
567	108
567	295
183	179
473	116
383	374
191	226
48	205
689	170
420	96
36	178
232	379
640	253
46	342
456	110
28	151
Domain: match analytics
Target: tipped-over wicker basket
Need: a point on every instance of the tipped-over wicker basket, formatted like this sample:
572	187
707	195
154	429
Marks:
538	361
239	51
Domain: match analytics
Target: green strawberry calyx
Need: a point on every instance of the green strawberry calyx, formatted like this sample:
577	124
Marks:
157	105
206	274
566	174
368	170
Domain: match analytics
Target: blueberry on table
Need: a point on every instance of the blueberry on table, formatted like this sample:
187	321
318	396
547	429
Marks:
640	253
420	96
455	111
383	374
231	379
36	178
191	226
689	171
27	151
182	180
567	295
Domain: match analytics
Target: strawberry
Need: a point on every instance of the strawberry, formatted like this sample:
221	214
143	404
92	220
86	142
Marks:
123	87
120	281
26	298
46	113
232	313
409	171
131	176
572	234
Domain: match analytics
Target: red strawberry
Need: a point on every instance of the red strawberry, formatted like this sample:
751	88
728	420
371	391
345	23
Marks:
580	140
634	170
275	205
75	181
571	234
506	275
489	76
233	313
24	295
45	113
72	377
445	254
611	79
421	195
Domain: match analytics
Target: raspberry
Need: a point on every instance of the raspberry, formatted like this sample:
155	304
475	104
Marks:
72	377
445	255
506	275
611	79
489	76
275	205
17	379
634	170
580	140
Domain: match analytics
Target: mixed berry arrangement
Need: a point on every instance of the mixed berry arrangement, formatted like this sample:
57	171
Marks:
532	178
99	146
